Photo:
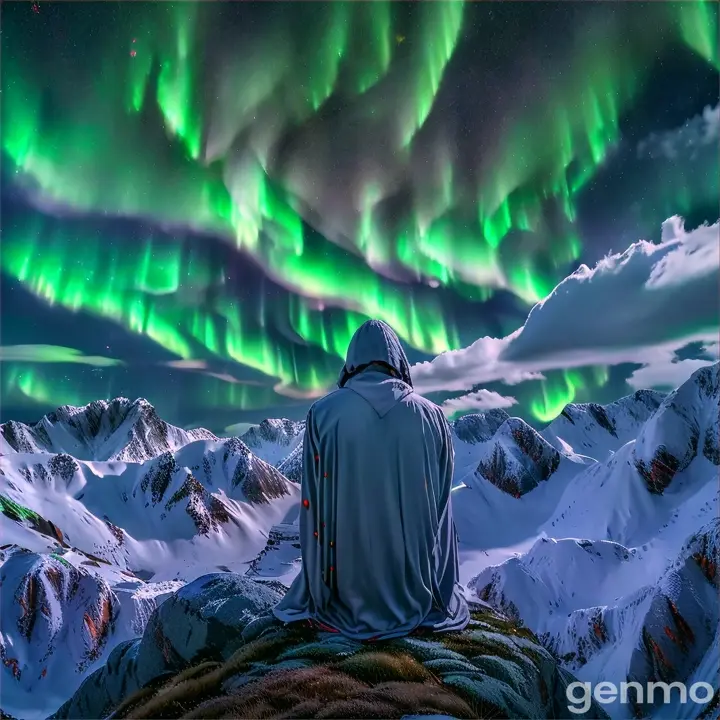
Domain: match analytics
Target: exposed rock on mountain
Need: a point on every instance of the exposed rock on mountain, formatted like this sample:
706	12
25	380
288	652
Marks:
120	429
683	426
228	657
291	466
520	459
280	557
60	613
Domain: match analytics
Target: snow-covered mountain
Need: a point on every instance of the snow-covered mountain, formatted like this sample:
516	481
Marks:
629	590
125	430
274	440
61	614
599	532
89	547
600	430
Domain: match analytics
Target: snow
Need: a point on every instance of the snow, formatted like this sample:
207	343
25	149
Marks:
579	530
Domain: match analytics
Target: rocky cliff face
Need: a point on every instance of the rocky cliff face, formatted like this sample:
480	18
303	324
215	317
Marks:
291	466
214	650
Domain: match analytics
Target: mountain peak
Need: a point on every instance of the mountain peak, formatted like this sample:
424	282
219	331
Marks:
117	429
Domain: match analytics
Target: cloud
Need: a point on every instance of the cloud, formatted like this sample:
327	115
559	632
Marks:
522	376
53	354
186	364
693	137
632	307
668	373
480	400
204	369
699	252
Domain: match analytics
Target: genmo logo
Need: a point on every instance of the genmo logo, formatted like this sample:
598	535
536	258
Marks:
581	694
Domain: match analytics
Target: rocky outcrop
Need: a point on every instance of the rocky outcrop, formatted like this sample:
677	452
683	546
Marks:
683	427
20	514
119	429
520	459
214	650
204	620
260	482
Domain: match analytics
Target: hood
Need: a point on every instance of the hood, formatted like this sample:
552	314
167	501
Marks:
375	342
374	353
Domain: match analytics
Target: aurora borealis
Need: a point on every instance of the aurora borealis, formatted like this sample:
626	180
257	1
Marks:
202	201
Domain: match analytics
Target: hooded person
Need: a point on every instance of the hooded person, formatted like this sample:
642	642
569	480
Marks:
377	537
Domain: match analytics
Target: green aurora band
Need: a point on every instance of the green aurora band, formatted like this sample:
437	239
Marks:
156	131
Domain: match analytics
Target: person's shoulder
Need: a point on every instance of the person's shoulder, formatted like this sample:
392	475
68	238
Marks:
428	407
420	401
326	402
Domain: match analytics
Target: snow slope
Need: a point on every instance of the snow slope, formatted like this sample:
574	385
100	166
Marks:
599	532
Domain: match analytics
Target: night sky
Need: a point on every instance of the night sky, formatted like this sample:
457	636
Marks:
202	202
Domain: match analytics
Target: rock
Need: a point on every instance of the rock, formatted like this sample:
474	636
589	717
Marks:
204	619
220	629
280	554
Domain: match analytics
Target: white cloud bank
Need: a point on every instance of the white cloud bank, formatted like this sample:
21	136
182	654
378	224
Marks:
480	400
639	306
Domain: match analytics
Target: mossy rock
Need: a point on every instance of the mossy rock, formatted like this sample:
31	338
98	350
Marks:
493	669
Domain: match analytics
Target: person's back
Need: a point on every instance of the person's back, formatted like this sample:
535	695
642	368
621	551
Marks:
378	542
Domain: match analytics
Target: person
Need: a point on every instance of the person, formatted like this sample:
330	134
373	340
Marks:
378	542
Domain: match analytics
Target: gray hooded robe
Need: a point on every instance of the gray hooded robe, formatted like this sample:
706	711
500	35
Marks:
379	546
